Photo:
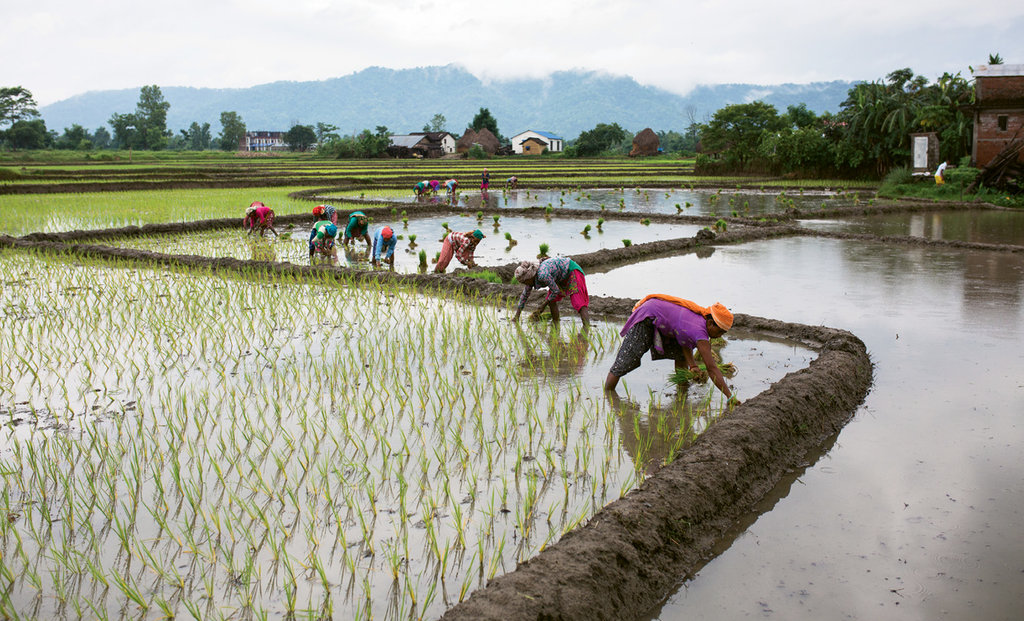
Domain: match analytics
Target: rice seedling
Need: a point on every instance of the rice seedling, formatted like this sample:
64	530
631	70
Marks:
154	417
626	243
543	250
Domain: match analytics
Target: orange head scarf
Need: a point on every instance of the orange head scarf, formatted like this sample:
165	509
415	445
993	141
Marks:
719	313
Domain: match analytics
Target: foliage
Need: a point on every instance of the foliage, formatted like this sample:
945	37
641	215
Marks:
300	137
484	119
437	124
366	144
28	135
146	128
326	131
477	152
735	132
197	137
232	131
16	104
598	140
674	142
872	129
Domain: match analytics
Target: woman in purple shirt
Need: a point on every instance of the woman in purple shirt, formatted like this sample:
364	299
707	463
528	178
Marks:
672	327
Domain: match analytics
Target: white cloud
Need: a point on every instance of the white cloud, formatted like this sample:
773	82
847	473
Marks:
61	48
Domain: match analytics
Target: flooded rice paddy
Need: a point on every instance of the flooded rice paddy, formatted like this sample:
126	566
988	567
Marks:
914	512
696	202
564	237
177	442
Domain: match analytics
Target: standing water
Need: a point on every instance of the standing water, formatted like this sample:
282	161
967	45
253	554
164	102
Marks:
914	513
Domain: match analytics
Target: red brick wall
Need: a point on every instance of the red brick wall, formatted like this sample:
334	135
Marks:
989	139
1000	88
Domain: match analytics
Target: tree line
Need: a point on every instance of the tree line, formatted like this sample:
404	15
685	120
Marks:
868	136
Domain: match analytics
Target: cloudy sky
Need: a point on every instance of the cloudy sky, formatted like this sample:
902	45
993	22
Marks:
60	48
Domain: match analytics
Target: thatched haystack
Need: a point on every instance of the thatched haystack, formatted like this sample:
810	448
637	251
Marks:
645	143
484	138
463	144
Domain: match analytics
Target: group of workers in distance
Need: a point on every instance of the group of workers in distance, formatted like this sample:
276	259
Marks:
664	325
429	187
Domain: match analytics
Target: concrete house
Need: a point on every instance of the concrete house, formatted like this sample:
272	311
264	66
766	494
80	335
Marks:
998	110
262	141
548	140
421	144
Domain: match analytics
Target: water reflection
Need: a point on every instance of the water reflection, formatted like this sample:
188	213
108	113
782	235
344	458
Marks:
651	437
973	225
563	358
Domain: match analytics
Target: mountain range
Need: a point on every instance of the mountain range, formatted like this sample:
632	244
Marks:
404	100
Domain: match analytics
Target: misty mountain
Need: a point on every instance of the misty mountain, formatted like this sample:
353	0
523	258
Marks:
404	100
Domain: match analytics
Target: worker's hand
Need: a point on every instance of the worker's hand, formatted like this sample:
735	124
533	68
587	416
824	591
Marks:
535	316
376	263
733	402
515	318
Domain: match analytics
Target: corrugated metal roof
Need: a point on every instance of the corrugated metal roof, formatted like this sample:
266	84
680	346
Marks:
991	71
406	140
548	135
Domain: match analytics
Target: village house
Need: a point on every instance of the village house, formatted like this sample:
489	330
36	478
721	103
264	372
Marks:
998	110
262	141
422	144
537	141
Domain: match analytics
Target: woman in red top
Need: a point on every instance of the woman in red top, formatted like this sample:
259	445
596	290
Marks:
259	216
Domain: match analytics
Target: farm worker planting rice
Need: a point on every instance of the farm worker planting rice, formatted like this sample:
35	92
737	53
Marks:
358	224
671	327
421	188
940	173
450	186
326	212
511	183
384	242
321	239
562	277
485	180
435	185
259	217
461	246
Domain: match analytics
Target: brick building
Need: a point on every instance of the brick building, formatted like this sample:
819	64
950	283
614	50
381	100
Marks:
998	110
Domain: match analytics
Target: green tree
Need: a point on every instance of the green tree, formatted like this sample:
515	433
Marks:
438	122
197	137
736	130
326	132
151	114
483	119
126	134
232	131
995	59
300	137
598	140
873	127
16	104
799	117
73	137
101	138
28	135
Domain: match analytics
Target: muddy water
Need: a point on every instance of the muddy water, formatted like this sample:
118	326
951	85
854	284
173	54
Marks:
564	237
914	513
653	200
988	226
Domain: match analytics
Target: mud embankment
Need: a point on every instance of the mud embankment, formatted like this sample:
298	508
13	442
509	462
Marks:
637	548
